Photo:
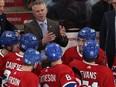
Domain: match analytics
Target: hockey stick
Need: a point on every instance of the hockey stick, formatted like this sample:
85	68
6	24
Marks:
77	71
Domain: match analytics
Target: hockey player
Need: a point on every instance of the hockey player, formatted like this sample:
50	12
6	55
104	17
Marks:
15	60
93	75
76	52
10	43
24	77
29	40
58	75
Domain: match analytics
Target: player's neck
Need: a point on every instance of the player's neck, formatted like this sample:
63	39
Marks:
56	62
27	68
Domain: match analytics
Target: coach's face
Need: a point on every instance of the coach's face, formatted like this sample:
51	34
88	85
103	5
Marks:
1	6
114	4
39	12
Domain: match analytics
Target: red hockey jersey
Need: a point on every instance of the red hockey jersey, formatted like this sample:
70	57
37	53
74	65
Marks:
94	75
22	79
57	76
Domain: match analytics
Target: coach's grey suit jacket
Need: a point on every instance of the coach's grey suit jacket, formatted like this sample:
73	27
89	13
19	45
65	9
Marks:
53	26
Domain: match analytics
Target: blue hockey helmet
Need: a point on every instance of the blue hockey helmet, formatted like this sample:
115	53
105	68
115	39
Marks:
9	38
87	33
28	41
90	49
31	56
53	51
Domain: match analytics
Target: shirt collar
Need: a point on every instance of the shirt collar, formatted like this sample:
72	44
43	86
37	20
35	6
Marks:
40	22
79	52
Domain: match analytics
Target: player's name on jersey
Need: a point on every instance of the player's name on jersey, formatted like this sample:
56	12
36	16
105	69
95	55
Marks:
12	65
48	78
89	74
14	81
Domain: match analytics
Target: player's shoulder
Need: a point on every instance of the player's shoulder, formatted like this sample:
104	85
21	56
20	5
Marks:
101	54
64	68
101	51
104	69
9	54
29	75
60	67
76	62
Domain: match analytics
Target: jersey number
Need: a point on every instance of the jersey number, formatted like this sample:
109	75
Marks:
94	84
68	77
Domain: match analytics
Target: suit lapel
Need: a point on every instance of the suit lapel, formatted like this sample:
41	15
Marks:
49	23
37	29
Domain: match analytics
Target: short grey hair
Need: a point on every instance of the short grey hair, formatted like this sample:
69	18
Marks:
38	2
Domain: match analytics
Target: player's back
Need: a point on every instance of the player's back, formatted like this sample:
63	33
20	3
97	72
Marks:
22	79
13	61
94	75
57	76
